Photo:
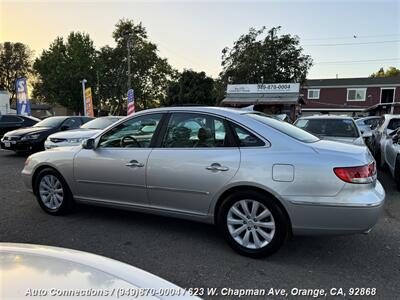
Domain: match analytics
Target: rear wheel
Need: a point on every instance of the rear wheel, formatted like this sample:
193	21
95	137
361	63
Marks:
52	192
252	223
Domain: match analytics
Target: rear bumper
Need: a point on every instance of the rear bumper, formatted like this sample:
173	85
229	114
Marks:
315	218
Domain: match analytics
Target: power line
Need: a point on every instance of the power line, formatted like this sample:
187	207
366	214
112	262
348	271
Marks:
358	61
355	36
349	44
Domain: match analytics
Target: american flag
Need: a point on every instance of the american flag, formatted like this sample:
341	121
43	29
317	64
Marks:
131	102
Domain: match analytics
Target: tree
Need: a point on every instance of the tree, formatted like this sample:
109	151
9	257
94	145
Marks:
390	72
150	73
15	61
61	68
191	87
271	58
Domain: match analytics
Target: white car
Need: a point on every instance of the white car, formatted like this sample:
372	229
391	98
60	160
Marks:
75	137
335	128
36	271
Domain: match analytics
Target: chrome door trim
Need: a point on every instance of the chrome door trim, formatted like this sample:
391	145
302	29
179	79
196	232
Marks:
177	190
110	183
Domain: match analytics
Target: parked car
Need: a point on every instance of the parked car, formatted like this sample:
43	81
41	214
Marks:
366	126
12	122
51	272
391	155
257	178
335	128
387	124
32	138
75	137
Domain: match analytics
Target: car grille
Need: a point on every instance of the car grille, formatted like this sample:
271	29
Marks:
11	138
57	140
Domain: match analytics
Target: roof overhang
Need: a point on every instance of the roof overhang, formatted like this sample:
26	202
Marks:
263	99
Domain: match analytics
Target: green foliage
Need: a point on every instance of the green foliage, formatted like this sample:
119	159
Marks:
150	73
61	68
390	72
15	61
191	87
274	58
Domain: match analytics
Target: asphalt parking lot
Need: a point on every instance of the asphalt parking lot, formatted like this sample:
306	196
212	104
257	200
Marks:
194	255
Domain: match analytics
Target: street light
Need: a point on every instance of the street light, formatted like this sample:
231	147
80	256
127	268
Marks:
83	81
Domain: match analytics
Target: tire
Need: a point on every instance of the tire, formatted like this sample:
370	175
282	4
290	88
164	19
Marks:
266	205
59	197
397	172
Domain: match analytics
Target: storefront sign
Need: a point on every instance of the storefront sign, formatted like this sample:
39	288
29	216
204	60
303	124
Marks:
266	88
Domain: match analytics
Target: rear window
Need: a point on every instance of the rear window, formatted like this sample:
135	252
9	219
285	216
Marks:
329	127
284	127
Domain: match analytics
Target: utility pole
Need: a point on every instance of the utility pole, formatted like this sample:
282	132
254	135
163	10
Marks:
128	45
84	97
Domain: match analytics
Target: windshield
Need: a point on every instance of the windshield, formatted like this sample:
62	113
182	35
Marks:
284	127
99	123
329	127
51	122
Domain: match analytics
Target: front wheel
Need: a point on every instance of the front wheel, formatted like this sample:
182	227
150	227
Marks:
253	224
53	193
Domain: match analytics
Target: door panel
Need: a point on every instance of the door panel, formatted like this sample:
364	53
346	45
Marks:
103	174
178	179
116	169
196	160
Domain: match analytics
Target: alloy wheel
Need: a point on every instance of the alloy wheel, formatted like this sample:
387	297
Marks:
51	191
251	224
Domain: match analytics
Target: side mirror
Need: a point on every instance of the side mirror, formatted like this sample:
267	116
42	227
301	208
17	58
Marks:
88	144
64	127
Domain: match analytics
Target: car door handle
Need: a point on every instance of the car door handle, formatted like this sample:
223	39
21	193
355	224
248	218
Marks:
217	167
134	163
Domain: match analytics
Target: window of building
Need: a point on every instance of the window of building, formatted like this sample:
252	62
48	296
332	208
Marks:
356	94
313	94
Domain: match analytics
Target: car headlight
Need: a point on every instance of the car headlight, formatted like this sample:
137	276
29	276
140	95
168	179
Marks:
30	137
75	140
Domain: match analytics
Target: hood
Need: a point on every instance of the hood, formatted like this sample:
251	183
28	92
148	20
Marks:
27	130
77	133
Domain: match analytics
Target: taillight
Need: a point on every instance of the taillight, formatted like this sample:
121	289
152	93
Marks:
362	174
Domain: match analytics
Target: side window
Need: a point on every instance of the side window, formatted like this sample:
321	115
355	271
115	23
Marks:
11	119
195	130
72	123
134	133
246	138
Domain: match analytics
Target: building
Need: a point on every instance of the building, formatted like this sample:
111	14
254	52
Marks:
272	99
352	96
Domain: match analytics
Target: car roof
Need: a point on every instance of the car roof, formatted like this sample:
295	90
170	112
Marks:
225	111
326	117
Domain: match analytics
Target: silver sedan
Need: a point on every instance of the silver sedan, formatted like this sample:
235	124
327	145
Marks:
257	178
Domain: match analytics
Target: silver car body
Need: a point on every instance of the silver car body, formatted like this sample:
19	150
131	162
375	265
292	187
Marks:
50	272
358	140
178	182
364	124
391	152
381	135
74	137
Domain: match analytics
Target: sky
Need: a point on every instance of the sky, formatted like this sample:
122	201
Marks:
192	34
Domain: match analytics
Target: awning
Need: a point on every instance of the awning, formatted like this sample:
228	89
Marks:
266	99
